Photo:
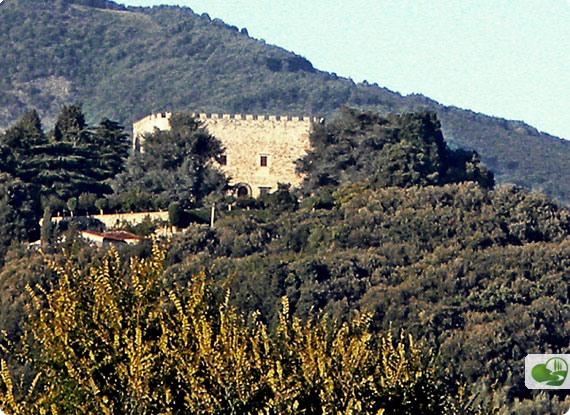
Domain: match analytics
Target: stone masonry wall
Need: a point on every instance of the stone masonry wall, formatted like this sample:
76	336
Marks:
248	139
116	219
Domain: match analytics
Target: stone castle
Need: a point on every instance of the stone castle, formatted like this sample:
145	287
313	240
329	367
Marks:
260	150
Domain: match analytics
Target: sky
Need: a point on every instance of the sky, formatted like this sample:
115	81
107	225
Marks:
506	58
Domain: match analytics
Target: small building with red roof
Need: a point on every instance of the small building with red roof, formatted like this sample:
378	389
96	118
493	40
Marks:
108	238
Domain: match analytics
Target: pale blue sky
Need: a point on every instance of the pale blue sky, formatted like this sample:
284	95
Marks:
509	58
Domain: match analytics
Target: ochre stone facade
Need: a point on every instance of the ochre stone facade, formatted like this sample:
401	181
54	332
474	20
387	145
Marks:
260	150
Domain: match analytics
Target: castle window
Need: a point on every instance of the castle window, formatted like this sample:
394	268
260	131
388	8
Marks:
223	160
263	161
264	190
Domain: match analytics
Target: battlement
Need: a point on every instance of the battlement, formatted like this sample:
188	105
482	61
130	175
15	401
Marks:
257	117
159	115
161	120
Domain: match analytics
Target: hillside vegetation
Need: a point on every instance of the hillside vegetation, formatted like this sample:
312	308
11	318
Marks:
114	339
395	234
123	63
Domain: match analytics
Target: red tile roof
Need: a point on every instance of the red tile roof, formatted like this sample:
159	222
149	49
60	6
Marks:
114	235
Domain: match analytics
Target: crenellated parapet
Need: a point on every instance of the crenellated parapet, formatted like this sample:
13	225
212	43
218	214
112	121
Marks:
261	150
161	121
256	117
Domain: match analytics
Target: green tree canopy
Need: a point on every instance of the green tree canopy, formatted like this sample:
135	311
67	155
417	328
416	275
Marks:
112	147
176	165
21	145
394	150
17	213
71	160
71	126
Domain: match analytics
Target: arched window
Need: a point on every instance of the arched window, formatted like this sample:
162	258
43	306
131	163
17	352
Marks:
242	190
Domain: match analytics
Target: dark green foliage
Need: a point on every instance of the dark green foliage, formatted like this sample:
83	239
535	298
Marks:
175	165
405	150
23	267
199	216
17	213
71	126
135	200
98	153
101	4
67	169
69	225
281	200
112	147
298	63
22	147
175	214
274	64
70	163
181	218
46	228
481	274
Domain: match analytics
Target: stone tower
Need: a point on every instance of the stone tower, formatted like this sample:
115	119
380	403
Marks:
260	150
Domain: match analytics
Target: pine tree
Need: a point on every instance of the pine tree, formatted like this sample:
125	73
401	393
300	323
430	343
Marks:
112	147
72	164
22	144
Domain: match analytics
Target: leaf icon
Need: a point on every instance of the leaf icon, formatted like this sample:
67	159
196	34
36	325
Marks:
541	374
554	372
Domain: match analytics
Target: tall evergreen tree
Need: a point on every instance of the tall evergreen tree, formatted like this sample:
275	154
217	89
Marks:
73	164
112	147
71	126
21	147
17	212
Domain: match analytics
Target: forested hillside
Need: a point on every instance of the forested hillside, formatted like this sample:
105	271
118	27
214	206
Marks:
290	300
124	63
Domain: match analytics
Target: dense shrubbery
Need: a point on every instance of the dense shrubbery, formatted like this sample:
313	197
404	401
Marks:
481	274
117	340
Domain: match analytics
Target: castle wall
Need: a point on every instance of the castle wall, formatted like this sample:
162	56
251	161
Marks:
147	125
260	150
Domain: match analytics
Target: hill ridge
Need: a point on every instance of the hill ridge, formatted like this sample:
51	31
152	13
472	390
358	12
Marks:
67	51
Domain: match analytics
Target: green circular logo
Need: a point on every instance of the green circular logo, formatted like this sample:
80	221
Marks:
552	373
